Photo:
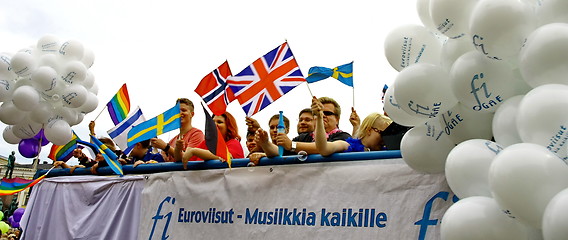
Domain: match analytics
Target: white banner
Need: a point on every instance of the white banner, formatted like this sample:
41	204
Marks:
374	199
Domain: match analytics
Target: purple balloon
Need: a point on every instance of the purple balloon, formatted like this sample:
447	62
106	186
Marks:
29	147
11	221
15	225
41	136
18	214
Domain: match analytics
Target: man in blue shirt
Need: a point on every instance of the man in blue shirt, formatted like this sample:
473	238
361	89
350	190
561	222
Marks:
142	153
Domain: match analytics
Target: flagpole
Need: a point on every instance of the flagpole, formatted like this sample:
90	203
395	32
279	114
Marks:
309	89
100	113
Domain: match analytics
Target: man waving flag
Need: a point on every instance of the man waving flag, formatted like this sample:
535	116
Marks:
266	79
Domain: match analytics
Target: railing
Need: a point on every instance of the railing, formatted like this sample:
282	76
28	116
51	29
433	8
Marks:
236	163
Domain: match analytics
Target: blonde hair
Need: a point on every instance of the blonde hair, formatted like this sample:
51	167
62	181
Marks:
325	100
369	121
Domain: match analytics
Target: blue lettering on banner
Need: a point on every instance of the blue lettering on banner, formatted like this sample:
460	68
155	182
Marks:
426	221
159	216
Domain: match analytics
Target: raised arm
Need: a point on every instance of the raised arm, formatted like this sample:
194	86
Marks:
324	147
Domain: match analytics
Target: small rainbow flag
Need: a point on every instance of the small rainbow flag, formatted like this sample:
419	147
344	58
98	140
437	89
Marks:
14	185
119	106
63	152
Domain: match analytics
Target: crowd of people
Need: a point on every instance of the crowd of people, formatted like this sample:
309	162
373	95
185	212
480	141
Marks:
317	128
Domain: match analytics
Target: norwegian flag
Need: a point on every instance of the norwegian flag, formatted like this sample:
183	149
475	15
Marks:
214	91
266	79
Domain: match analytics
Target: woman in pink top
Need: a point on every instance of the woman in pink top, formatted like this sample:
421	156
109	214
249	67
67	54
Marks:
228	127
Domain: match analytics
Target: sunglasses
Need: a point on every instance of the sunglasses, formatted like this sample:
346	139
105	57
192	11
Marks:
328	113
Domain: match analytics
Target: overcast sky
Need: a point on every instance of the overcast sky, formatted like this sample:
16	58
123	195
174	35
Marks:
162	49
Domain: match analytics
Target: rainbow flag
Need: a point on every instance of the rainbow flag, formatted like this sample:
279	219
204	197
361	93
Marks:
63	152
119	106
14	185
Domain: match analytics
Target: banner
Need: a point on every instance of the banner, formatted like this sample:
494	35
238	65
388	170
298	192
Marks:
374	199
83	207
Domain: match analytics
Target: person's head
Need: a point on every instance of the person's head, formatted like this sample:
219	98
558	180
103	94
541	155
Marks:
370	130
13	152
273	126
306	121
251	144
109	143
186	110
140	149
331	113
227	126
77	152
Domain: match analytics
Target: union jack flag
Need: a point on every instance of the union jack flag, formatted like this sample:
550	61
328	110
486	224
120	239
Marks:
266	79
214	91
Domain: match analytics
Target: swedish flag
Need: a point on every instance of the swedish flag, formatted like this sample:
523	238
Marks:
343	73
110	157
165	122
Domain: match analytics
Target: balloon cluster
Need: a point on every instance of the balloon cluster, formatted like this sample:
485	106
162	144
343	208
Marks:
45	89
484	83
14	220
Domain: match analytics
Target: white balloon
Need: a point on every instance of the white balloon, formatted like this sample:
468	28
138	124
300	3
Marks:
95	88
25	98
23	63
5	66
451	17
91	104
467	167
9	136
42	113
524	177
477	218
6	89
480	83
58	132
551	11
504	123
452	49
398	115
89	80
66	114
499	28
44	78
541	118
410	44
542	59
48	44
71	50
88	58
49	60
423	90
461	123
73	72
423	9
555	218
418	144
74	96
26	129
10	114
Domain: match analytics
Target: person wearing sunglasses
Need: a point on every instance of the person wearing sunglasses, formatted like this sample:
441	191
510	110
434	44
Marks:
367	138
305	141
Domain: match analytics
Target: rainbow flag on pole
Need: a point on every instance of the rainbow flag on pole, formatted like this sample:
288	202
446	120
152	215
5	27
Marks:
119	106
9	186
63	152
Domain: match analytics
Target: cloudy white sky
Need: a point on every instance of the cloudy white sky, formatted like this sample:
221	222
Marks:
162	49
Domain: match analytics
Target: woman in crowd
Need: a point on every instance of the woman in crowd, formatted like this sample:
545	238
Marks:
367	138
229	131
